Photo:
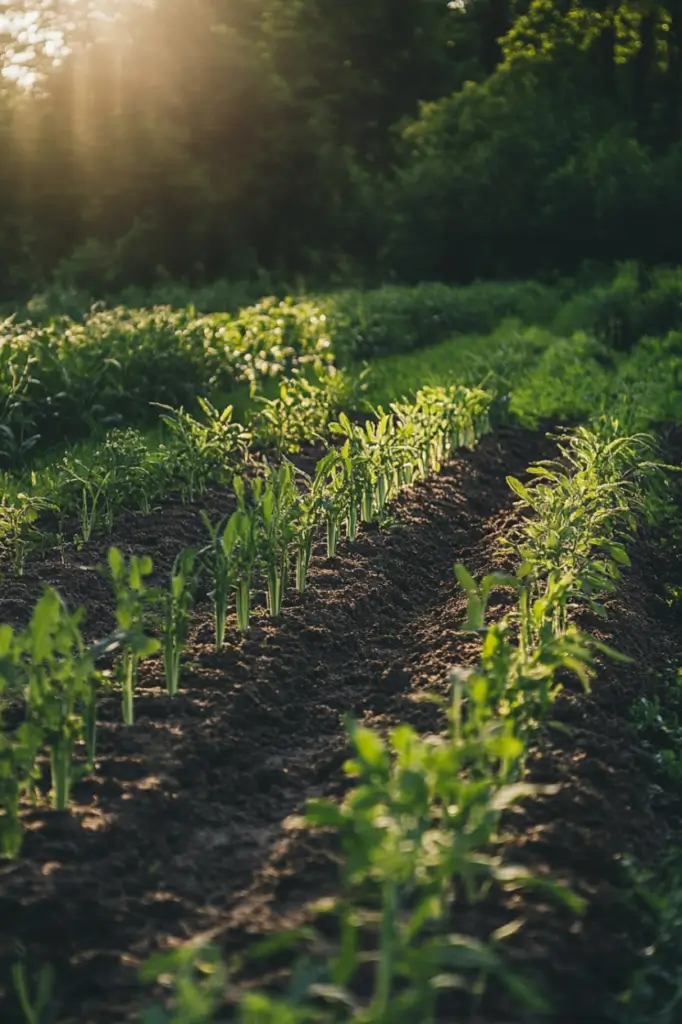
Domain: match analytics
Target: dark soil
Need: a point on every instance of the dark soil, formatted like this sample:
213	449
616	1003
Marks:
183	826
186	825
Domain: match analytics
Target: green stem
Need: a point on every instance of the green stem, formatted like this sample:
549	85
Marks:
387	942
275	592
332	536
220	606
90	724
303	562
367	505
352	522
60	760
243	597
129	672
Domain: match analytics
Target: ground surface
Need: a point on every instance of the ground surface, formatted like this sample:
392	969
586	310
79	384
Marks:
184	826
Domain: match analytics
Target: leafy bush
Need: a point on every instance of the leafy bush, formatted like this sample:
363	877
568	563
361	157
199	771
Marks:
636	302
65	378
393	319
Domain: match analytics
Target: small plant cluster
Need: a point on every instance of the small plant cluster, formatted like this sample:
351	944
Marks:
377	459
50	682
303	408
47	668
84	492
420	827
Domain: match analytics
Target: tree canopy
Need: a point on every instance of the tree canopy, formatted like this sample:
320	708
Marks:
374	139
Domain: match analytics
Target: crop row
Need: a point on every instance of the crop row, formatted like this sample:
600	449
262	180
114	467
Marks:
128	470
64	379
420	827
48	668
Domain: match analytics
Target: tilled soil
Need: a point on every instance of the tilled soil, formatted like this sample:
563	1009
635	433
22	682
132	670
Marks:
185	826
182	827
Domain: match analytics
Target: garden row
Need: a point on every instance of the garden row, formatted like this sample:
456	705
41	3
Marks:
536	375
63	378
420	827
420	831
273	528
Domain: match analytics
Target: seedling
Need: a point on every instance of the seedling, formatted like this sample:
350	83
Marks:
278	509
133	598
178	601
241	545
202	453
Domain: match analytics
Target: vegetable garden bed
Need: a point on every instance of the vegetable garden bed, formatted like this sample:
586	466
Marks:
186	808
188	822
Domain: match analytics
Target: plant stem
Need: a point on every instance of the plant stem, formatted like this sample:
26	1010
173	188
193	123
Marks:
90	723
243	597
129	669
332	536
303	561
60	760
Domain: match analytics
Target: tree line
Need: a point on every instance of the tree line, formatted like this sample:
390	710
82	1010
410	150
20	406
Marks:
340	140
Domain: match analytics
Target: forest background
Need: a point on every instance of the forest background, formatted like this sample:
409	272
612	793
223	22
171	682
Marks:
335	141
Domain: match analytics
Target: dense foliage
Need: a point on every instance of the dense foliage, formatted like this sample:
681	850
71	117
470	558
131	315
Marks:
389	138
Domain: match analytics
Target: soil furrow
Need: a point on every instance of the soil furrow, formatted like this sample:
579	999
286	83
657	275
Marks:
183	826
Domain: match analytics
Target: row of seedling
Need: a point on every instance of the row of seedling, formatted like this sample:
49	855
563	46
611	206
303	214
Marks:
52	679
82	493
276	523
420	827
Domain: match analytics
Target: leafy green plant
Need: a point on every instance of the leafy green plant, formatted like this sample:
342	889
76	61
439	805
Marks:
219	568
307	519
242	544
34	1007
50	667
133	599
19	531
303	408
585	508
200	453
278	509
59	681
89	489
18	753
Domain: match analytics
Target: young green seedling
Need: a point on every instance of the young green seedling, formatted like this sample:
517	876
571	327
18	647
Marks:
278	508
241	545
178	604
133	599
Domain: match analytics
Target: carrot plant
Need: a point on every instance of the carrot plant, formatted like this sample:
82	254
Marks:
133	599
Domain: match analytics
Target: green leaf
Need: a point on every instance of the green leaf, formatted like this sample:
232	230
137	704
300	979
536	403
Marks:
465	580
115	562
619	554
519	489
323	814
370	748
